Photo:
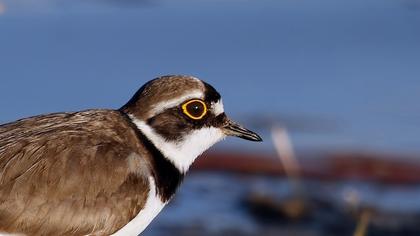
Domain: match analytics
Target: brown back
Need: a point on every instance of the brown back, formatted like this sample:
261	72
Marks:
52	169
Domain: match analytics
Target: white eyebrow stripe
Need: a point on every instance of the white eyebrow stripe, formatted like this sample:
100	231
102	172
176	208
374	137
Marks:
160	107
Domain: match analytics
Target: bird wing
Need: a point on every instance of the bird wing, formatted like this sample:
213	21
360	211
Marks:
70	174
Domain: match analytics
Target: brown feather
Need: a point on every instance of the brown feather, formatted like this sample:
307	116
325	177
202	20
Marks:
52	170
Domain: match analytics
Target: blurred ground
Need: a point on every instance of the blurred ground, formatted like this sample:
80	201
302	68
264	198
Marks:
242	201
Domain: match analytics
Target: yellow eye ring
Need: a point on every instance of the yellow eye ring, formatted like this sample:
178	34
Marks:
195	109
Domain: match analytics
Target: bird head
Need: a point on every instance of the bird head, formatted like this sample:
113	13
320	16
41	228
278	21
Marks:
182	116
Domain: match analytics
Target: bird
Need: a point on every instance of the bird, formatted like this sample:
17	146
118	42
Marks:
108	171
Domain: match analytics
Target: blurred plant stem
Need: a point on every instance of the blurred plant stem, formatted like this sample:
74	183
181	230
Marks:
362	225
284	148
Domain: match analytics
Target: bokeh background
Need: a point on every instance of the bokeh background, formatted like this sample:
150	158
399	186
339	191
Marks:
332	86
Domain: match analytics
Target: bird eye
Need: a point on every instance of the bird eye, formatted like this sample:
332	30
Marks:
194	109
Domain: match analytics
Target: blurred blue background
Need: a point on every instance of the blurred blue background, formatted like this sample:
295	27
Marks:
340	75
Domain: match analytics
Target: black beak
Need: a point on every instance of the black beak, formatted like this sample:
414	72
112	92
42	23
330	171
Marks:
234	129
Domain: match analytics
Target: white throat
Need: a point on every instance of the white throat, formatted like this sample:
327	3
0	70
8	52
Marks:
182	154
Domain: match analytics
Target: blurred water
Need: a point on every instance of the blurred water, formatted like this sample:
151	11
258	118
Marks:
355	65
218	206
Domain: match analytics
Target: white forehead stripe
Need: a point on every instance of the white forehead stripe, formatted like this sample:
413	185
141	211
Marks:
160	107
197	79
218	107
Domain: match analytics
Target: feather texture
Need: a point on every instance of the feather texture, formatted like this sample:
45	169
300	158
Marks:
63	185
